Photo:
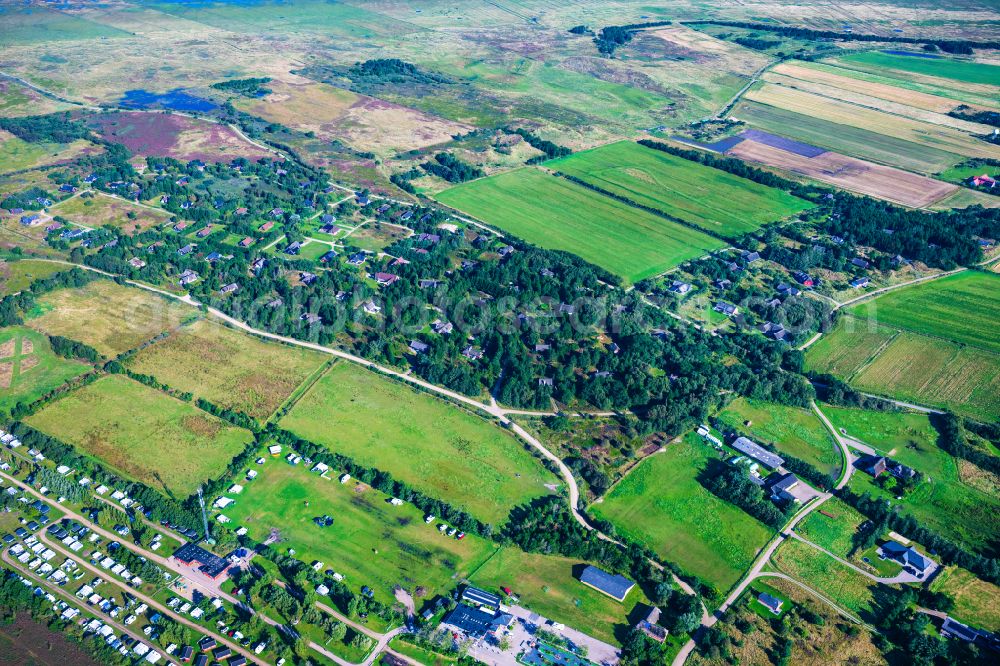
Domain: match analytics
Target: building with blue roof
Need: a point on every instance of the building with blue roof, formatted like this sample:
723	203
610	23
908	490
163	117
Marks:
615	586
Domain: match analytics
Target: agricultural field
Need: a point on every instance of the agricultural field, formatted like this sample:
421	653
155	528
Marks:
549	585
17	155
964	71
103	210
977	603
855	141
844	113
845	586
791	430
370	541
29	369
963	198
228	368
942	501
432	445
557	214
849	173
110	318
846	348
714	200
662	505
177	136
960	308
143	434
932	344
18	275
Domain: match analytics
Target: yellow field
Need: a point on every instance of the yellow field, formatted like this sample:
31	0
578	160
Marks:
914	98
874	102
944	138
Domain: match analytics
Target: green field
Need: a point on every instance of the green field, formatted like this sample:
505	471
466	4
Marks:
945	68
29	369
228	368
854	141
29	25
144	434
708	198
549	585
18	275
977	603
557	214
110	318
662	505
847	347
370	542
961	308
932	343
791	430
437	448
833	534
845	586
101	210
941	502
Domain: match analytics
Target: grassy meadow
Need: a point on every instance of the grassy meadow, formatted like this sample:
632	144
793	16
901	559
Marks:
977	603
662	505
791	430
942	501
29	369
228	368
144	434
110	318
16	276
441	450
557	214
845	586
370	541
708	198
549	585
100	211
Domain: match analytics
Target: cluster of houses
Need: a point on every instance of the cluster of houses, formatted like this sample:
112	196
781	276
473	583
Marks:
477	615
784	487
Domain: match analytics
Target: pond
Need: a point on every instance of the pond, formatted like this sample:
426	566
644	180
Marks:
176	100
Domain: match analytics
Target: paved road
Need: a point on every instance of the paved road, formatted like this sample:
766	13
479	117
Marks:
848	458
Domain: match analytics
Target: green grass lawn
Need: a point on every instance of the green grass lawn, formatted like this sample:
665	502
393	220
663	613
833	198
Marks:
29	369
945	68
228	368
942	502
556	214
845	586
835	534
370	542
709	198
961	308
143	433
16	276
795	431
977	603
549	585
434	446
662	505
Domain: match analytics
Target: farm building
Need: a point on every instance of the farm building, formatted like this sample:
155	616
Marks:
649	626
744	445
781	487
615	586
477	598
